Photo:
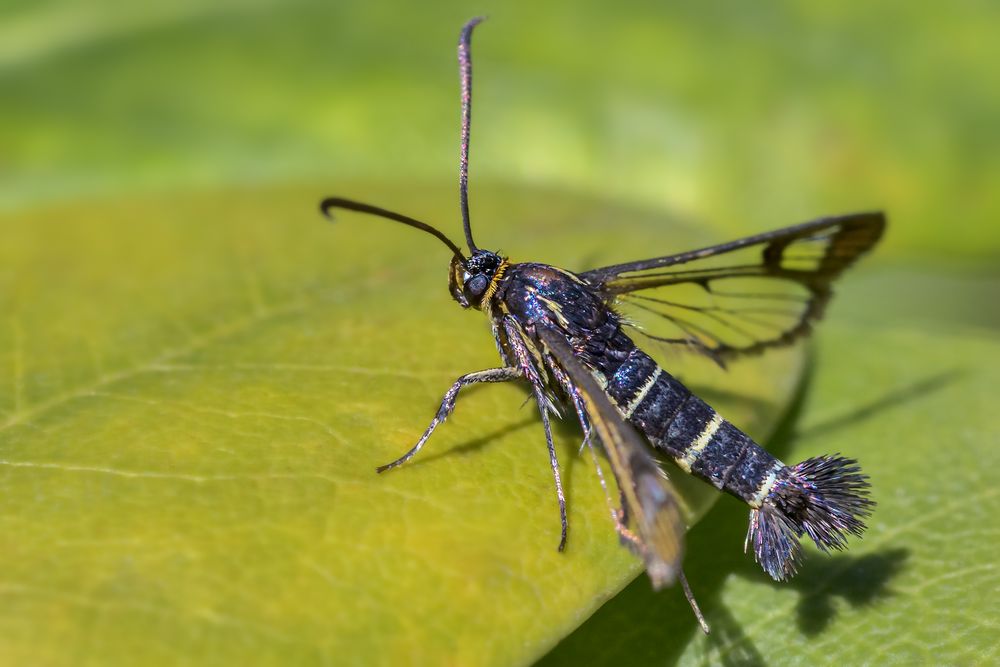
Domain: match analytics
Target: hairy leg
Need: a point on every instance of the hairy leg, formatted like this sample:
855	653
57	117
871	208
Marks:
554	462
448	405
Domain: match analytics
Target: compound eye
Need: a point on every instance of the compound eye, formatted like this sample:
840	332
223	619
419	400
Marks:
477	285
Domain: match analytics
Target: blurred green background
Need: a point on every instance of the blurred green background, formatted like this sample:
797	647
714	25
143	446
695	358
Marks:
747	116
160	164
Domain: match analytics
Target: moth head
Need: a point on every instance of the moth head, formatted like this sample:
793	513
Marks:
473	281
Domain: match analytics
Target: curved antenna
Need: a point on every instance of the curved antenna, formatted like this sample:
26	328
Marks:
350	205
465	75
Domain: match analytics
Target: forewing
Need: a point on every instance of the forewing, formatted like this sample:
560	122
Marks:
741	297
650	502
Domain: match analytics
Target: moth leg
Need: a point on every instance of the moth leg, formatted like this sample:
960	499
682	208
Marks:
623	512
632	541
526	362
620	516
448	405
627	537
579	407
554	462
694	604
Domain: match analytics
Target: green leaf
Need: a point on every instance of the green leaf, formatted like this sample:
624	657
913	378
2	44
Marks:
197	391
918	411
748	116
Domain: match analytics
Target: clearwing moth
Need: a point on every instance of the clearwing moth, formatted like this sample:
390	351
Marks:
566	335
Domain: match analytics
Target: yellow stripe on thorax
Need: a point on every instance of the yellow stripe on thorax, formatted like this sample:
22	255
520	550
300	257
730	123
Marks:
491	290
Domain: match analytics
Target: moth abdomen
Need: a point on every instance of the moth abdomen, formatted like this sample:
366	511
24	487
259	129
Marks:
824	498
686	428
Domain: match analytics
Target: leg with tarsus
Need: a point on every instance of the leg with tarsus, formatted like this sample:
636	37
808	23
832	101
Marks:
448	405
619	516
554	462
631	539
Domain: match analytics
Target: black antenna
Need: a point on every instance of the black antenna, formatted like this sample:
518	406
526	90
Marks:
465	75
350	205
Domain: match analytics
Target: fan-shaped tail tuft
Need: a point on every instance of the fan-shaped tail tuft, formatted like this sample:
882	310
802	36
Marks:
825	498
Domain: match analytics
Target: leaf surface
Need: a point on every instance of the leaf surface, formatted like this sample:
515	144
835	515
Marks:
198	391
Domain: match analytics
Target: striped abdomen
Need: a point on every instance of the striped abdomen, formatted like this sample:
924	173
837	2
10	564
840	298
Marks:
698	439
825	497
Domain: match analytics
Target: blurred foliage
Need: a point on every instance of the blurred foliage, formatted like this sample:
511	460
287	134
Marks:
178	478
748	115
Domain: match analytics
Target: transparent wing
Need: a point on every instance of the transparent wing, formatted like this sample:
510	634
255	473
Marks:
741	297
650	501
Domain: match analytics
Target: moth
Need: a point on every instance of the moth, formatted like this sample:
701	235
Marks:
568	336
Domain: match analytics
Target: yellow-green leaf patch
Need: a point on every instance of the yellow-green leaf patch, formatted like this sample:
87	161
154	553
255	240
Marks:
199	389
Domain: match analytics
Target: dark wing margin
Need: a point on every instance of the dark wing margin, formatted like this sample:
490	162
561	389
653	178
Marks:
745	296
650	502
